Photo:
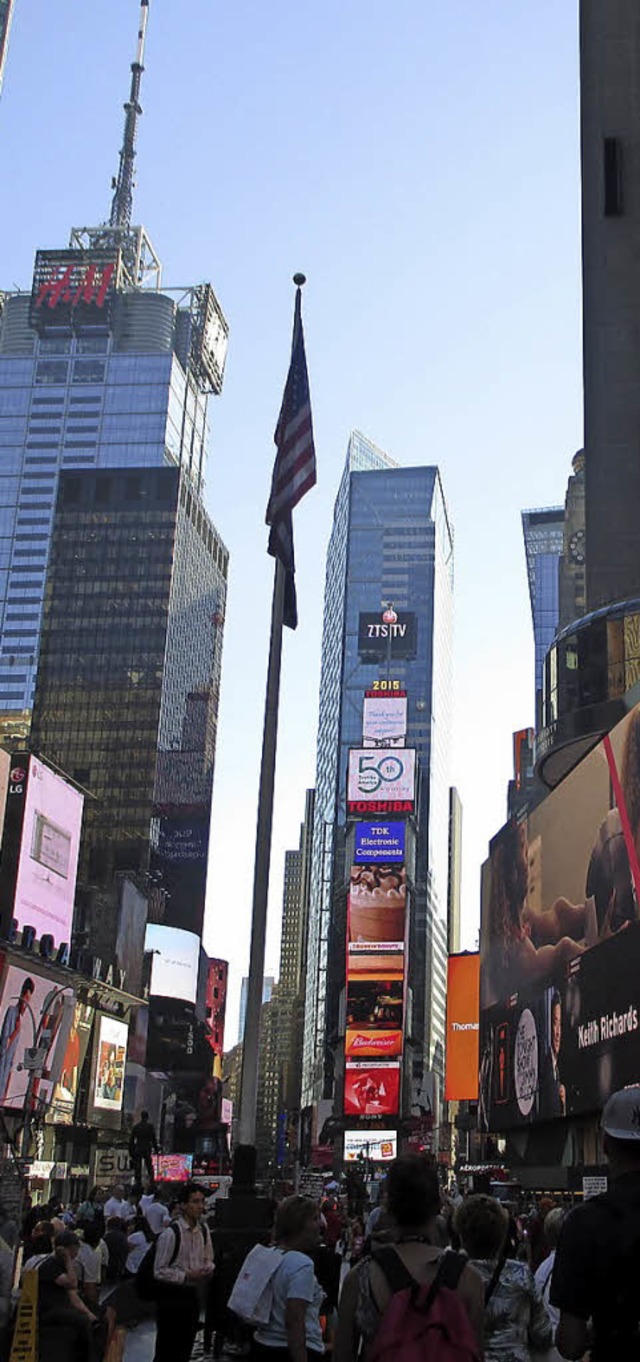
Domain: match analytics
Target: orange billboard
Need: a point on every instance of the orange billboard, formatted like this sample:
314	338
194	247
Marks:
463	1027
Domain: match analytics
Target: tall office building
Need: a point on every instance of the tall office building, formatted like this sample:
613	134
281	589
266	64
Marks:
610	154
6	14
454	890
391	542
129	681
543	541
100	367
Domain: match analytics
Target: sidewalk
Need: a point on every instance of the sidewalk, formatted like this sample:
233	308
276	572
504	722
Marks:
140	1344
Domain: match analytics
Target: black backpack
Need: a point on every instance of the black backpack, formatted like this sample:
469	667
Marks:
145	1282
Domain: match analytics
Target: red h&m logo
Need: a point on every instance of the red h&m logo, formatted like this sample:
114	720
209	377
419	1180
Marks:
91	287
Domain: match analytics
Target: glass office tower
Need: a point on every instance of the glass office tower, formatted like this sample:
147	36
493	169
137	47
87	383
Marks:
391	541
543	532
95	372
128	686
6	12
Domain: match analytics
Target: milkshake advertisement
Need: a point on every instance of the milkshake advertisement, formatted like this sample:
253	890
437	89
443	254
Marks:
560	944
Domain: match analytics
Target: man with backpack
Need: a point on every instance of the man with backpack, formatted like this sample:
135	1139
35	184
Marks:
595	1273
182	1269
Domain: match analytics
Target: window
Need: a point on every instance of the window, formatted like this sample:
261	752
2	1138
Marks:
612	177
52	371
88	371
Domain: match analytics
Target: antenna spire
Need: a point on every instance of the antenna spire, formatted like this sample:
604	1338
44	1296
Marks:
122	202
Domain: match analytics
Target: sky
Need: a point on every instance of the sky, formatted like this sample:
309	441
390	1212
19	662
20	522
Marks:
420	163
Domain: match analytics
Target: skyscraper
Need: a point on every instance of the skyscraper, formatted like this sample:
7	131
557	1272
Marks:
99	368
543	541
391	542
268	984
610	155
6	12
129	681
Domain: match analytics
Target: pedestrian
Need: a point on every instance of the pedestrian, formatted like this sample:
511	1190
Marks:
516	1321
154	1212
118	1205
142	1145
139	1242
183	1269
553	1223
410	1255
293	1332
117	1247
594	1283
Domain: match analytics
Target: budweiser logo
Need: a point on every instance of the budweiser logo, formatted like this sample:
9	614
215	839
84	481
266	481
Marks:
383	1043
73	285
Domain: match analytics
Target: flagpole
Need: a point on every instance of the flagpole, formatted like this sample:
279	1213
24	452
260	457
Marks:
249	1080
281	613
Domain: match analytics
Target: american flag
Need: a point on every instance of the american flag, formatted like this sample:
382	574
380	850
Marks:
294	470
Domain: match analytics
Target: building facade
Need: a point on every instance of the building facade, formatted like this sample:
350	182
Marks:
543	532
129	681
454	890
268	984
6	13
391	542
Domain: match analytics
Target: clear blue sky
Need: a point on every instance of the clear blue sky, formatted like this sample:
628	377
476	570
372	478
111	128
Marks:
420	163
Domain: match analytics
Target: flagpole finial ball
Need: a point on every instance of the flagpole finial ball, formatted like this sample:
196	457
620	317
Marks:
299	280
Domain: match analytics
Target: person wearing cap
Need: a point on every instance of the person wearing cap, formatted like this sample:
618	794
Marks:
596	1270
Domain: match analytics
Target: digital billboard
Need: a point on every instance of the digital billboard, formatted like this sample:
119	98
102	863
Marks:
5	769
74	288
36	1015
111	1058
377	905
379	842
65	1092
172	1167
48	858
560	944
380	782
387	634
463	1028
176	959
371	1089
384	722
380	1146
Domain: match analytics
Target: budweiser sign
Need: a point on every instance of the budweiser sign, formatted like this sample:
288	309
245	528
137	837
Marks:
365	1042
73	283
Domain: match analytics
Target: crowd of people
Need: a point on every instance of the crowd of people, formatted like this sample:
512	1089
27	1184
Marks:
544	1283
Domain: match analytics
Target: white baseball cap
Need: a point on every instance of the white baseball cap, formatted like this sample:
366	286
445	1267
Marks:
621	1115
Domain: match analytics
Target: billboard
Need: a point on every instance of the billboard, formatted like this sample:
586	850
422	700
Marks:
5	769
380	1146
463	1027
371	1089
172	1167
132	922
384	722
48	858
379	842
381	777
377	905
36	1015
560	944
74	288
176	959
387	634
111	1056
65	1092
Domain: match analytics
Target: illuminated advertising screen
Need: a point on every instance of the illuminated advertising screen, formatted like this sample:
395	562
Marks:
463	1027
73	288
371	1089
393	637
377	905
380	1146
176	960
48	860
111	1058
560	944
5	768
379	842
384	722
36	1016
65	1092
381	782
172	1167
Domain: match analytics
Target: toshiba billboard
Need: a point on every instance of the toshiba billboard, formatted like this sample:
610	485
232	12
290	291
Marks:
463	1028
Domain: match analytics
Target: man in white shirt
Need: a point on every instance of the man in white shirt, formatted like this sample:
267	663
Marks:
183	1269
154	1212
117	1206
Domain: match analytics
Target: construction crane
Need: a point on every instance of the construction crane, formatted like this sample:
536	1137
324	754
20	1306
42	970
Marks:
122	202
